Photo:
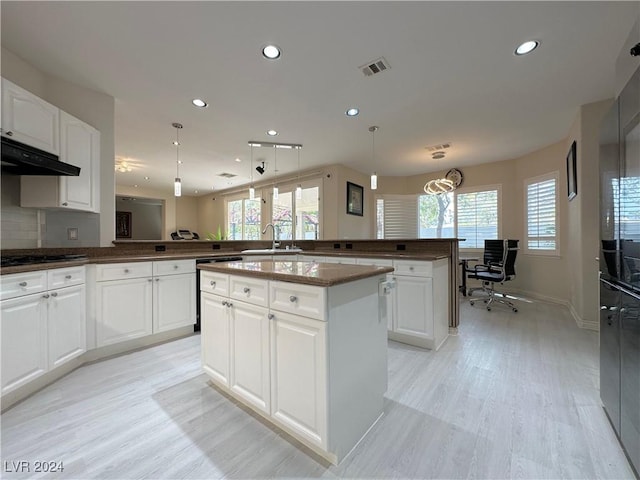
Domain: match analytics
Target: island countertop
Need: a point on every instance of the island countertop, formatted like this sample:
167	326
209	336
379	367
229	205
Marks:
307	273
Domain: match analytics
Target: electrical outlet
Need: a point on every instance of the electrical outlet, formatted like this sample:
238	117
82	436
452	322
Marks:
72	233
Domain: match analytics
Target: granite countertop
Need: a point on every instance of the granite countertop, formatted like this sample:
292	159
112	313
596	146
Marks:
148	257
306	273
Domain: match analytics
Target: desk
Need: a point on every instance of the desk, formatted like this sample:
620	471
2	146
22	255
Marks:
463	262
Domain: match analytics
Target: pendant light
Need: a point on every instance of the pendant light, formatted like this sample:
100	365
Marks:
177	186
374	176
252	190
299	187
275	169
438	186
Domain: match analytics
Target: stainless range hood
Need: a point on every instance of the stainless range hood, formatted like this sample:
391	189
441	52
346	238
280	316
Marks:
21	159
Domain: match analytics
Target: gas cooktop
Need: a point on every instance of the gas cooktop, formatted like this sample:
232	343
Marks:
10	261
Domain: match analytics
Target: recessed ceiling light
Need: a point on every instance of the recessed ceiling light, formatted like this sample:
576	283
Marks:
146	178
199	103
180	162
175	142
271	52
195	191
527	47
136	186
352	112
272	133
238	160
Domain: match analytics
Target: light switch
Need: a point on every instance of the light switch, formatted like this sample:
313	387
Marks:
72	233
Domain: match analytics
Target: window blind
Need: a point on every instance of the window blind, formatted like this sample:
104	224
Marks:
477	217
541	215
400	217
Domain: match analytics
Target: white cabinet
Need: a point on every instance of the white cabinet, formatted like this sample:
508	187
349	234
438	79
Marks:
67	324
249	340
215	337
123	310
174	294
24	340
137	299
341	260
299	377
43	323
28	119
235	341
421	305
79	146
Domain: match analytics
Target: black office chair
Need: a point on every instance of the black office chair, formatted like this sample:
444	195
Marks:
498	266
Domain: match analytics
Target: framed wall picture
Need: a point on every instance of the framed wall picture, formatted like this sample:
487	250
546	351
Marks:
123	224
572	174
355	199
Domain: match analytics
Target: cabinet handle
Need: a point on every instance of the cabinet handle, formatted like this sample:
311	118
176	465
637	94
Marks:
271	316
213	284
411	268
46	295
293	298
175	267
68	277
10	133
54	294
246	290
126	270
65	204
23	284
229	304
149	279
225	303
157	279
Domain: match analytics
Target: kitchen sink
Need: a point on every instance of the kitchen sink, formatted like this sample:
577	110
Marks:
272	251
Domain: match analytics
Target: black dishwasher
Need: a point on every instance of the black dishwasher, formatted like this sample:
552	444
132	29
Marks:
196	327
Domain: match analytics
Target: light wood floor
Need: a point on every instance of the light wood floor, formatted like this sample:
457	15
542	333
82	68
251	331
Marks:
513	396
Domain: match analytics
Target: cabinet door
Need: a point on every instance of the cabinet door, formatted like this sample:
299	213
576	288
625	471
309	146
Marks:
79	146
66	324
214	336
414	306
28	119
123	310
298	375
174	301
250	375
24	340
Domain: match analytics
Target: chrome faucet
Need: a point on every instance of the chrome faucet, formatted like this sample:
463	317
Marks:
275	229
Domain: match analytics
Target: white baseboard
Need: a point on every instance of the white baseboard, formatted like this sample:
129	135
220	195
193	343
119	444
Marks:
580	322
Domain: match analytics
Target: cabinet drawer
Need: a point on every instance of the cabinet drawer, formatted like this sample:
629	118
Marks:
119	271
376	262
65	277
250	290
171	267
413	268
212	282
298	299
20	284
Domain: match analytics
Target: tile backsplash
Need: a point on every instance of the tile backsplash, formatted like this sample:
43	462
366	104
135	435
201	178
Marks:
19	227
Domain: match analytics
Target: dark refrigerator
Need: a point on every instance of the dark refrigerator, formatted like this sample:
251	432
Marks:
620	268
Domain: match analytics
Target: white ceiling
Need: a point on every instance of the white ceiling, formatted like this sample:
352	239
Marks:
453	78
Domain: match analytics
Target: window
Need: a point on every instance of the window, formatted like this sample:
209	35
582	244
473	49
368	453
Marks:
464	213
297	219
477	216
436	216
541	212
243	219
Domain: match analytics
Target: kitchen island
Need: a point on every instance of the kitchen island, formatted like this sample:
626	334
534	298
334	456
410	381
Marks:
303	344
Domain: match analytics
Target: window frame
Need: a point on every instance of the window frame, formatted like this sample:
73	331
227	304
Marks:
555	175
234	198
478	189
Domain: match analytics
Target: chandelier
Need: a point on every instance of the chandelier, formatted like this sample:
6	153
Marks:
438	186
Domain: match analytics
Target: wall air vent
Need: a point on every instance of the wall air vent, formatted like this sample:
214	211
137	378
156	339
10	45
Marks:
227	175
435	148
376	66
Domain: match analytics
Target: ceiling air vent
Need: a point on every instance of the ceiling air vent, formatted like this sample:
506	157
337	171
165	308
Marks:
376	66
435	148
227	175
